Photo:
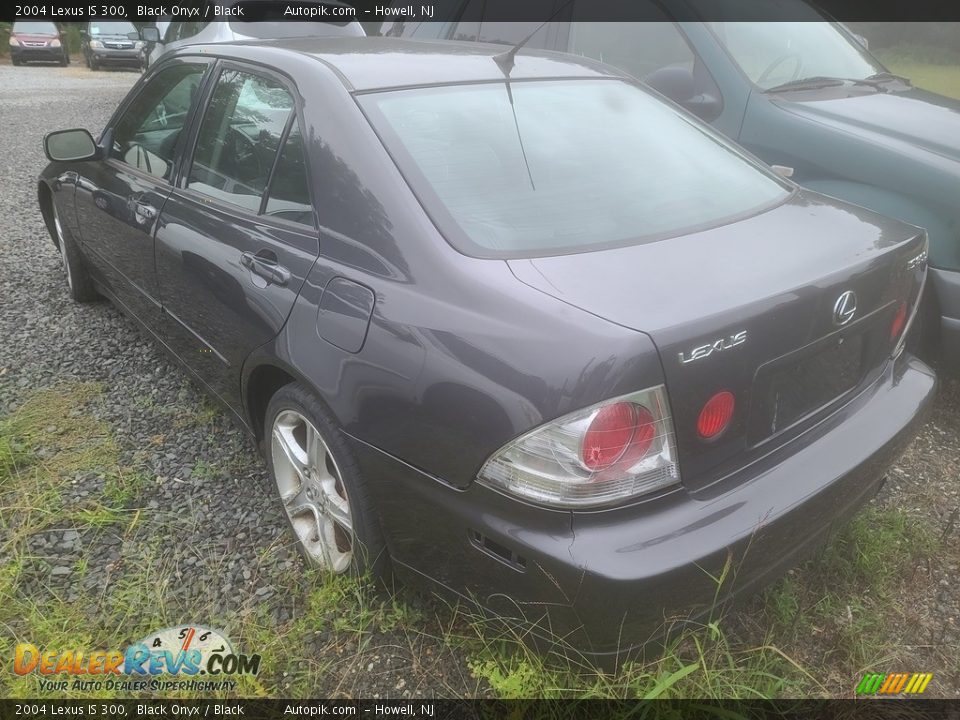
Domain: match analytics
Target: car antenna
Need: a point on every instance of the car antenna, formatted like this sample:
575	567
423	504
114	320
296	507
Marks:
504	60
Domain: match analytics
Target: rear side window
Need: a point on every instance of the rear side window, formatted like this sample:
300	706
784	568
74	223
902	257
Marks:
239	138
572	165
289	197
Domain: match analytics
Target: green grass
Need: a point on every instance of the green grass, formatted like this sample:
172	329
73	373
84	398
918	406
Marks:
811	634
938	77
851	597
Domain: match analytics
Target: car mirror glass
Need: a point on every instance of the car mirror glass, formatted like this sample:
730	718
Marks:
70	145
150	34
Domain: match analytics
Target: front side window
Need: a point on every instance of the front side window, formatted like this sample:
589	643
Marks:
146	135
774	53
638	48
572	165
239	138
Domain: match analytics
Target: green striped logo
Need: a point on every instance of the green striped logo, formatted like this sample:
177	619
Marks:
894	683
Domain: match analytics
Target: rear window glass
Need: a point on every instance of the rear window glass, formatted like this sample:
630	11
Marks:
573	165
35	28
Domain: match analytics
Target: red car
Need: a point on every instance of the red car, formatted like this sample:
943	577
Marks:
37	40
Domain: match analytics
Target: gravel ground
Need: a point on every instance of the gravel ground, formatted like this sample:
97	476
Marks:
222	538
225	543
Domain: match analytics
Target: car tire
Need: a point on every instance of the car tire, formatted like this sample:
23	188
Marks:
79	282
94	65
16	62
64	61
317	477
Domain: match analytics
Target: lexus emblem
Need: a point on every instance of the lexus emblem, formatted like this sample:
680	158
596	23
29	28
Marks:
845	308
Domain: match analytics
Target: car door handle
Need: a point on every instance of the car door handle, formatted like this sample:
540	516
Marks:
144	210
264	264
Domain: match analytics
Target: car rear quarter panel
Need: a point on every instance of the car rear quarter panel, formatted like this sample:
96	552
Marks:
459	357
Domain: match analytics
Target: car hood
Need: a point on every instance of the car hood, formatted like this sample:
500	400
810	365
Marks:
915	116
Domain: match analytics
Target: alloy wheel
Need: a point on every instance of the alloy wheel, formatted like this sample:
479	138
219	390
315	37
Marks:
312	491
62	243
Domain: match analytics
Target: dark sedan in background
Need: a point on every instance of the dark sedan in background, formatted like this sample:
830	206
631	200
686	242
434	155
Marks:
37	40
512	324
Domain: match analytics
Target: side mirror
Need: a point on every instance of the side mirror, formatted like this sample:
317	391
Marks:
677	83
133	35
70	145
680	85
150	34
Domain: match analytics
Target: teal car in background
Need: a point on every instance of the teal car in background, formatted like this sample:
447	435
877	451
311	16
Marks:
806	96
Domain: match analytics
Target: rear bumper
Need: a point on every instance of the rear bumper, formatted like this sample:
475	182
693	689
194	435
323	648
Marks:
608	581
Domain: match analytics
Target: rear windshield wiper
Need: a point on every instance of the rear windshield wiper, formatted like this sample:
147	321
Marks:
809	83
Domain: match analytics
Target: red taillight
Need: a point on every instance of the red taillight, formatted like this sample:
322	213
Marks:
899	320
643	436
716	414
608	436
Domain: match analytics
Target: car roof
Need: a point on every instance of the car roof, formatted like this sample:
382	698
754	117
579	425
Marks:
376	63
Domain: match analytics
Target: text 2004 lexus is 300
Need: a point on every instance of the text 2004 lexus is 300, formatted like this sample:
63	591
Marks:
522	328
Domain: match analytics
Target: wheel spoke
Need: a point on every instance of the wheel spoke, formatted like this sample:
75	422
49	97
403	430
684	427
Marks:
328	540
292	450
337	507
315	451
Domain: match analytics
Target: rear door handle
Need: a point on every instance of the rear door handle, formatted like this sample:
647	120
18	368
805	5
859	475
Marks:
264	264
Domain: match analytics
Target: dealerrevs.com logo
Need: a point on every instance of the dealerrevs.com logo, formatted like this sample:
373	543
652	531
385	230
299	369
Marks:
174	658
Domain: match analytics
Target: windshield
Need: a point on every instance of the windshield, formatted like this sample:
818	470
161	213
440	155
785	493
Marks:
771	54
584	164
34	28
111	28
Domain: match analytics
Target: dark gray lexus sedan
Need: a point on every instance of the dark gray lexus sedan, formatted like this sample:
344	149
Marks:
514	325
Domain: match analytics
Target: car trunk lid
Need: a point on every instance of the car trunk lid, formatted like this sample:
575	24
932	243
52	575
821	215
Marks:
752	308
